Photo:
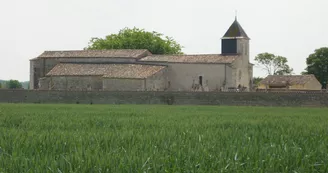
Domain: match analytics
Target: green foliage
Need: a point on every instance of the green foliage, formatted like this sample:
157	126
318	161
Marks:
137	39
257	80
14	84
2	84
317	64
142	138
273	65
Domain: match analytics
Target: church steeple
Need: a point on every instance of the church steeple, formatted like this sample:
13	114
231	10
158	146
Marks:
235	31
235	40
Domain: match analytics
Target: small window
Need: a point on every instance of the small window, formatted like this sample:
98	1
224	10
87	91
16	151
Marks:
201	80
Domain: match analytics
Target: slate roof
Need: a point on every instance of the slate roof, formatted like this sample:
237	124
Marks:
235	30
106	70
114	53
282	80
205	58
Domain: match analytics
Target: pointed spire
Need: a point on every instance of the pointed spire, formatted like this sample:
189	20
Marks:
235	31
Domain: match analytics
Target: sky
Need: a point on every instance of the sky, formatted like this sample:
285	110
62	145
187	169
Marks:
289	28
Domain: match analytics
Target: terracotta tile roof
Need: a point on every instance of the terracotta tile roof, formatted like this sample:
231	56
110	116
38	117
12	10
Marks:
282	80
106	70
204	58
114	53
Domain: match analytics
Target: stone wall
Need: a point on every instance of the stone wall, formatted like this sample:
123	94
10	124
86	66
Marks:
71	83
35	73
110	84
185	77
175	98
157	82
313	84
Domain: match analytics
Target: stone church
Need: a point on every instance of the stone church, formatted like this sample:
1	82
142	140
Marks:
140	70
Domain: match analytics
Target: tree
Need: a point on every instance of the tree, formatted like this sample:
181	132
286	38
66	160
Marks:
14	84
317	64
273	65
137	39
0	85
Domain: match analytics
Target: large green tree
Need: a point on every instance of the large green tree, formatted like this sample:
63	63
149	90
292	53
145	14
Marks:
273	64
14	84
317	64
136	38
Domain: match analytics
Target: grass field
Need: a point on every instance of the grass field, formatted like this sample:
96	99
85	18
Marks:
152	138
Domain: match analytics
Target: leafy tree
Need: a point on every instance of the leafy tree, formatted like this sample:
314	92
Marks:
0	85
317	64
14	84
273	65
137	39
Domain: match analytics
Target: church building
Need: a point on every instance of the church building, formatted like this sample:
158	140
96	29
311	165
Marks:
140	70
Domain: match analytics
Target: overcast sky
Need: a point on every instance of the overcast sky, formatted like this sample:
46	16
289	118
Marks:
290	28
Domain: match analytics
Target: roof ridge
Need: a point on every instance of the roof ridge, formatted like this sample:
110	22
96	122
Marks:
195	54
92	50
104	53
293	75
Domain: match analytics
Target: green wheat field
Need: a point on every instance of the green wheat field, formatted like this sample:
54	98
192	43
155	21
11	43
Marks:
162	138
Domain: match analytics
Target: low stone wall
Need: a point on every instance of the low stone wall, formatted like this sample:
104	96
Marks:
175	98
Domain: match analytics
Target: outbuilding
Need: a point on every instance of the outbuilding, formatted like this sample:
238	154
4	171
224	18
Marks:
291	82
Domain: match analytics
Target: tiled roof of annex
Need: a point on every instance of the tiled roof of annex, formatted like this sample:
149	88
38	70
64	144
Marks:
290	79
133	71
200	58
114	53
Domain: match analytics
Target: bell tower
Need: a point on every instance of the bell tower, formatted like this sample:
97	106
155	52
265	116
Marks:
235	40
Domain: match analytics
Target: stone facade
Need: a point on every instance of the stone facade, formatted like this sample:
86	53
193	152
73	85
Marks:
72	83
199	77
156	82
123	84
313	84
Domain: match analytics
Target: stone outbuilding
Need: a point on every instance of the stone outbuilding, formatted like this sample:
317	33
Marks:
291	82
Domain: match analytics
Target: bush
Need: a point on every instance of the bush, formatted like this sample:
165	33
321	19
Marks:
14	84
